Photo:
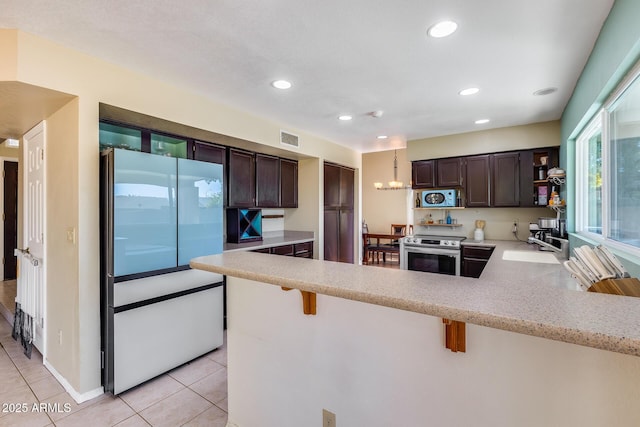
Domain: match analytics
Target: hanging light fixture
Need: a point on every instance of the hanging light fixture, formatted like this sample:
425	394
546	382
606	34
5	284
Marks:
395	184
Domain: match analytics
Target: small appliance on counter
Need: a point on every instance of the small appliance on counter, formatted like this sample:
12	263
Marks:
478	233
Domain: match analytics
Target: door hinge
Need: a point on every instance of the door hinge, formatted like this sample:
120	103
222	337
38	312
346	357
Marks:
102	359
2	260
42	154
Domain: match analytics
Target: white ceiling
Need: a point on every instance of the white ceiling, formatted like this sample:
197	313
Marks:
350	56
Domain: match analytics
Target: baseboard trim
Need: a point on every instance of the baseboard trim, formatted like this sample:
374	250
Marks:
78	397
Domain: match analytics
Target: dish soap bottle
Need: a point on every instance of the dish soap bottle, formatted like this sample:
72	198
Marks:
448	218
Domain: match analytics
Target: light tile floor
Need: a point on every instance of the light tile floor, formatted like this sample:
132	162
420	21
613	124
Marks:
8	290
194	394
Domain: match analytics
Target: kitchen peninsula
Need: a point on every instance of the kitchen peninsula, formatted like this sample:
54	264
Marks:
374	355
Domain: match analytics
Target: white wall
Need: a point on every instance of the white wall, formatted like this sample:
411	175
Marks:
376	366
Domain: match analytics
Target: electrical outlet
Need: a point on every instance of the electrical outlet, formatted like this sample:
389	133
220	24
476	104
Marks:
328	418
71	235
515	226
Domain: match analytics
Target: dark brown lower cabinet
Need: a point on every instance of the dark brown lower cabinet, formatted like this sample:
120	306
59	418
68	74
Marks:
474	259
345	233
331	235
338	235
300	250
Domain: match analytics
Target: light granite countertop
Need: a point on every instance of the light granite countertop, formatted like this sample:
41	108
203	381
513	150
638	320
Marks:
271	240
529	298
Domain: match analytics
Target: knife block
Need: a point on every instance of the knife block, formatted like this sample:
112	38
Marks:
628	287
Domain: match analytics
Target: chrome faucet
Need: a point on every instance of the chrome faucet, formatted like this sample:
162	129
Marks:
563	249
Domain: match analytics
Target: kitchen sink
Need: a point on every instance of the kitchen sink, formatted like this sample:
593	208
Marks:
530	256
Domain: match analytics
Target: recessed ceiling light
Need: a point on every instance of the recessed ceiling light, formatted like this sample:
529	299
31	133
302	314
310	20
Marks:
281	84
382	136
482	121
546	91
469	91
442	29
345	117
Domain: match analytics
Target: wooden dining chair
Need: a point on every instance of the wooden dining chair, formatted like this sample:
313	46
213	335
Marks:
398	229
394	245
370	250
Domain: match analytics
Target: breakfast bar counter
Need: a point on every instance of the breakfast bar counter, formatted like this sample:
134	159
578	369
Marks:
369	344
525	297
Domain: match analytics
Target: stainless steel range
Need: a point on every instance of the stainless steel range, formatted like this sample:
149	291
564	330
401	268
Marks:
432	254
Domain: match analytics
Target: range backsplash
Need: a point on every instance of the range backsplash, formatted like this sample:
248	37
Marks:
499	221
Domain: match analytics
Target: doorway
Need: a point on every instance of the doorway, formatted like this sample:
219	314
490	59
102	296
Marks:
9	235
10	218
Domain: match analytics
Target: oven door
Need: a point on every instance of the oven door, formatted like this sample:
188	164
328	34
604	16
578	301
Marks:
431	260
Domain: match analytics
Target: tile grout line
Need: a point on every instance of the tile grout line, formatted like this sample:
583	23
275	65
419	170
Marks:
26	382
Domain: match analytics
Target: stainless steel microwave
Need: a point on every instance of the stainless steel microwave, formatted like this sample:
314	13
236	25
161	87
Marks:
439	198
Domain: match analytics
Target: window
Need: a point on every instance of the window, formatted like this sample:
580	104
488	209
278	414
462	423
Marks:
589	178
624	154
608	171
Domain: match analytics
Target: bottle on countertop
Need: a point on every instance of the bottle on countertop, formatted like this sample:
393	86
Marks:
417	200
448	218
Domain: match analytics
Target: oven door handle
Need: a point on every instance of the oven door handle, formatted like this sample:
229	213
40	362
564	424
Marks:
432	251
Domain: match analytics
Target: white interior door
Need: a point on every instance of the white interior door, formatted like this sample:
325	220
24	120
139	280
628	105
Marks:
34	219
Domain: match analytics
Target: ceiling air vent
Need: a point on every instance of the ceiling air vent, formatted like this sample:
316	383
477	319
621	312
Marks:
290	139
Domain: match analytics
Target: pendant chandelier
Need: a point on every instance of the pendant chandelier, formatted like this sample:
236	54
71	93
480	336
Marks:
395	184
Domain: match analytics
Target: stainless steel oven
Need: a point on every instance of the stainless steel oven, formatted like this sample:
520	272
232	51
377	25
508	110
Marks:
431	254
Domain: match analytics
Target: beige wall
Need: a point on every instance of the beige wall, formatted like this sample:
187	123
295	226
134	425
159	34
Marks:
381	208
9	151
307	216
9	49
41	63
523	137
63	292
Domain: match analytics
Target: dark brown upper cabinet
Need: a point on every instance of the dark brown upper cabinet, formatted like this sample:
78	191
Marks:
338	187
346	188
206	152
505	179
331	186
423	174
241	179
267	181
449	172
288	183
477	188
